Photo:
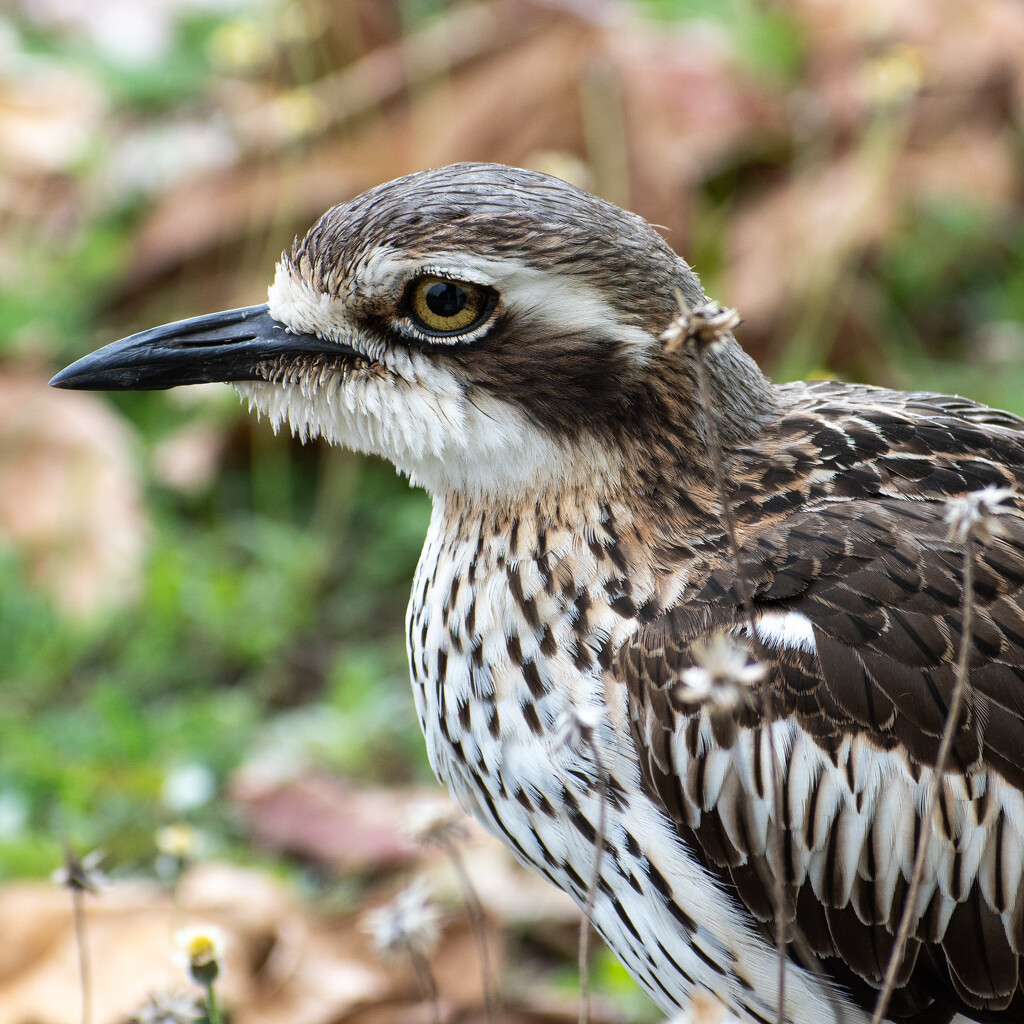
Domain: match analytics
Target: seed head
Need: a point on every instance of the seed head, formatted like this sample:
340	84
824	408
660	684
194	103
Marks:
409	925
163	1008
703	326
80	874
894	77
723	674
704	1008
974	514
434	824
575	726
178	841
177	846
201	952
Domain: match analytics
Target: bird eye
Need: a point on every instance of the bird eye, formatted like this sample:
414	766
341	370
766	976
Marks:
442	307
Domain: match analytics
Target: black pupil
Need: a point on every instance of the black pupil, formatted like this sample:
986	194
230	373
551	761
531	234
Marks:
445	299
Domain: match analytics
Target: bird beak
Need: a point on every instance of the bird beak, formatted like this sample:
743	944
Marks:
227	346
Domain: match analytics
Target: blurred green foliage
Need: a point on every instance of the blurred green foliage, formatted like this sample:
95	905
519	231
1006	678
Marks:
768	40
59	285
948	267
244	615
179	77
281	587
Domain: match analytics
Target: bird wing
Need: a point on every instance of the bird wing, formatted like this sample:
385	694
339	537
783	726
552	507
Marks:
857	591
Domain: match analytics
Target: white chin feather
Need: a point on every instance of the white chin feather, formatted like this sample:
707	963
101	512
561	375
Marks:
431	431
405	407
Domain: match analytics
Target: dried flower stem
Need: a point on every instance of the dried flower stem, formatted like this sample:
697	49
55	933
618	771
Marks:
475	912
595	878
729	522
84	966
442	829
909	917
81	875
425	976
774	880
409	927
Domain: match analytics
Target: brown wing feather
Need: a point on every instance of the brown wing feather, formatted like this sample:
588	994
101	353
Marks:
860	550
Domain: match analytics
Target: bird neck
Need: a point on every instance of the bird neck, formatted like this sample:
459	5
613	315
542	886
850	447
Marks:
652	448
741	396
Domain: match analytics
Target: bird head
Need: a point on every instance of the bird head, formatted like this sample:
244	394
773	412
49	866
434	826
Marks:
483	327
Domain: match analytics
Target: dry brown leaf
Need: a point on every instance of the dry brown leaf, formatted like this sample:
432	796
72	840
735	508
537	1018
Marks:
35	915
69	493
508	891
300	970
282	963
187	460
130	931
49	113
783	244
973	162
330	821
326	819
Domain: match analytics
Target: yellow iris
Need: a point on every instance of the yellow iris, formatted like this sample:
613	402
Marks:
443	306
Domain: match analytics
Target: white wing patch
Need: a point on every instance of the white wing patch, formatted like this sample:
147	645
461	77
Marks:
785	629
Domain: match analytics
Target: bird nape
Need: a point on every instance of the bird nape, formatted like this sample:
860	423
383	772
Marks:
500	336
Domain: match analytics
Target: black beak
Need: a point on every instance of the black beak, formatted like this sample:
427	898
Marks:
217	347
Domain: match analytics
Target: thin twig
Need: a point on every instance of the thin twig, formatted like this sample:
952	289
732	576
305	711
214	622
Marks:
442	828
775	882
84	966
409	927
728	521
477	925
427	981
909	918
81	875
588	910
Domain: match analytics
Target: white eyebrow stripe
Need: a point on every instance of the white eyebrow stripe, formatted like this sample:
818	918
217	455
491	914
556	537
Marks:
542	295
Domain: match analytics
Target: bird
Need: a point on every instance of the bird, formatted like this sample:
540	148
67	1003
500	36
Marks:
506	340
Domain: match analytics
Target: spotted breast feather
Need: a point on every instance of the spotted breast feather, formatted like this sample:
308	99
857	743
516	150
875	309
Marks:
857	589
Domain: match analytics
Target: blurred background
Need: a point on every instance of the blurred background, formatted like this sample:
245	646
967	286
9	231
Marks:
200	622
